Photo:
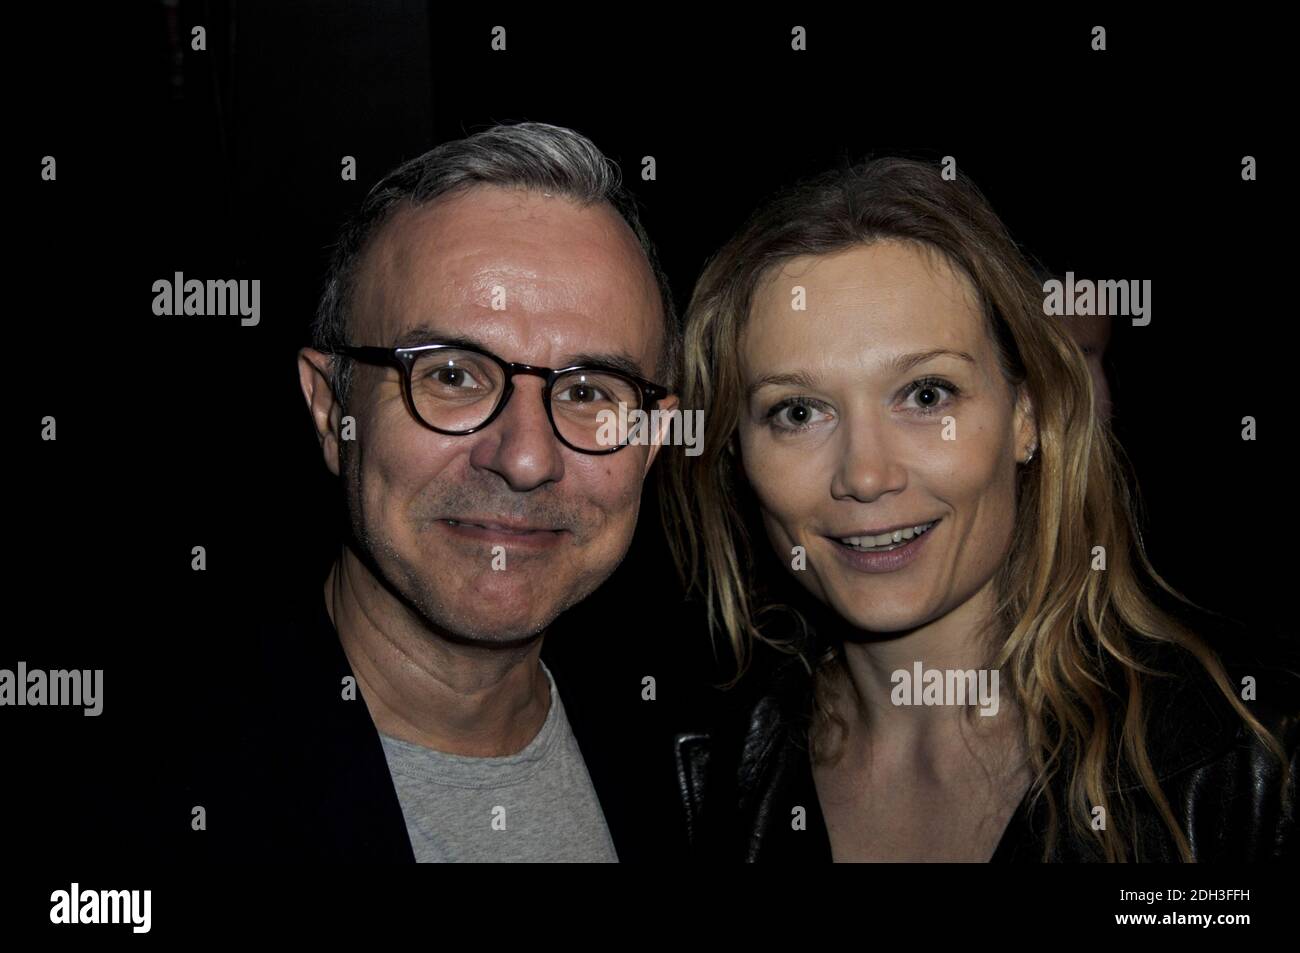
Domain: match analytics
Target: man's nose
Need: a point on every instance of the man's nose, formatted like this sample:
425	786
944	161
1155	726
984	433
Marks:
520	445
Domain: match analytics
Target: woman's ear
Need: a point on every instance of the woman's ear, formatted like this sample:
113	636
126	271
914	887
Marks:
1026	426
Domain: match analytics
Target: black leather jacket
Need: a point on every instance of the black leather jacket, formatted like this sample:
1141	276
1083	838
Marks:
743	781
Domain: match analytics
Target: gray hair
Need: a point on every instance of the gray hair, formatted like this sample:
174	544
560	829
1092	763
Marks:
529	155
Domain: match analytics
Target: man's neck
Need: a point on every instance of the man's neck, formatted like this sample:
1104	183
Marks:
473	700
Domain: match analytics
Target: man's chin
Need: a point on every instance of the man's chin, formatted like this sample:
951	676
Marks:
497	620
497	608
507	636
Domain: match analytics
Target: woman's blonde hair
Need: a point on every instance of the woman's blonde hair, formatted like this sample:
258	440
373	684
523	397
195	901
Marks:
1060	623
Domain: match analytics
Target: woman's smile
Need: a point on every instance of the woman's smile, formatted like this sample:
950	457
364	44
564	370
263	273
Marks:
902	548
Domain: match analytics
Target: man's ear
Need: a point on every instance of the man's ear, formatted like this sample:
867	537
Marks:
665	423
314	377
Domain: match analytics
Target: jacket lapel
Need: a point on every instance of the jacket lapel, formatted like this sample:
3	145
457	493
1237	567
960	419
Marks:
338	801
1189	721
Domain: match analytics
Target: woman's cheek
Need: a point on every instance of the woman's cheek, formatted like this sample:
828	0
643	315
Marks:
778	480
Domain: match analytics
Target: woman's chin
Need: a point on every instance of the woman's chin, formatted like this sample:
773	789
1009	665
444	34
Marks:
877	619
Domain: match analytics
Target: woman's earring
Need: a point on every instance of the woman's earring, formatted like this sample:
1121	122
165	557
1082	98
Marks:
1032	450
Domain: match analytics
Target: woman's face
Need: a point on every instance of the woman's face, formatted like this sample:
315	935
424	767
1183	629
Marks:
880	407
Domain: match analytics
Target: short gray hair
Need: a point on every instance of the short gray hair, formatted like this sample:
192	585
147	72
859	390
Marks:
531	155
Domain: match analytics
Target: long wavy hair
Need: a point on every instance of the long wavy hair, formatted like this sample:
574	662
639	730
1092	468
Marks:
1061	628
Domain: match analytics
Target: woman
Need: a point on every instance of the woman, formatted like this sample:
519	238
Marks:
980	669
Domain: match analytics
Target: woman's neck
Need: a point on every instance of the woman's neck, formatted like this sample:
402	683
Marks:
906	695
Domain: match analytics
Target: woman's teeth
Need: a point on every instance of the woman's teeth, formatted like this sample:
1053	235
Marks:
885	541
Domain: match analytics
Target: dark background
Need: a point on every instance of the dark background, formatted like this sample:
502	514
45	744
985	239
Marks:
180	431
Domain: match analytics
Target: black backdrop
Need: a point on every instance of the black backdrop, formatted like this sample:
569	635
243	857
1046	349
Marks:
179	431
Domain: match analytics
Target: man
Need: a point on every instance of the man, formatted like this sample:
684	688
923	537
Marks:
1092	332
482	501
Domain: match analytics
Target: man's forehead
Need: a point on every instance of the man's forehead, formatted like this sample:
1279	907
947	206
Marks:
488	258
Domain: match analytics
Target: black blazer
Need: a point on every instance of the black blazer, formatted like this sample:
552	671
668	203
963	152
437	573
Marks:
294	772
741	781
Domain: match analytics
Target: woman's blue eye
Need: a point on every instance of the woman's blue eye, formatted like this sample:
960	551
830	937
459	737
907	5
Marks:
927	391
795	413
799	413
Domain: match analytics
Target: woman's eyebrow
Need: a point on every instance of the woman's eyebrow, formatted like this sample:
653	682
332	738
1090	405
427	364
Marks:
899	364
902	363
795	379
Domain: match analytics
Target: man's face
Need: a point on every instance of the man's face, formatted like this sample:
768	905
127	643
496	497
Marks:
571	286
1092	334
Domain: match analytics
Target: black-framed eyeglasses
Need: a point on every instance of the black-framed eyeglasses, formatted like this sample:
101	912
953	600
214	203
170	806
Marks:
455	389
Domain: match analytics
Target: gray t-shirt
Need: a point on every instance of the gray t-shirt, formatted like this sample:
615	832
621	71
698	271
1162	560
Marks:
535	806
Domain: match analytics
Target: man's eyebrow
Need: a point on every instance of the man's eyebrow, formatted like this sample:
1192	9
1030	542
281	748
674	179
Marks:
899	364
428	334
620	361
424	334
